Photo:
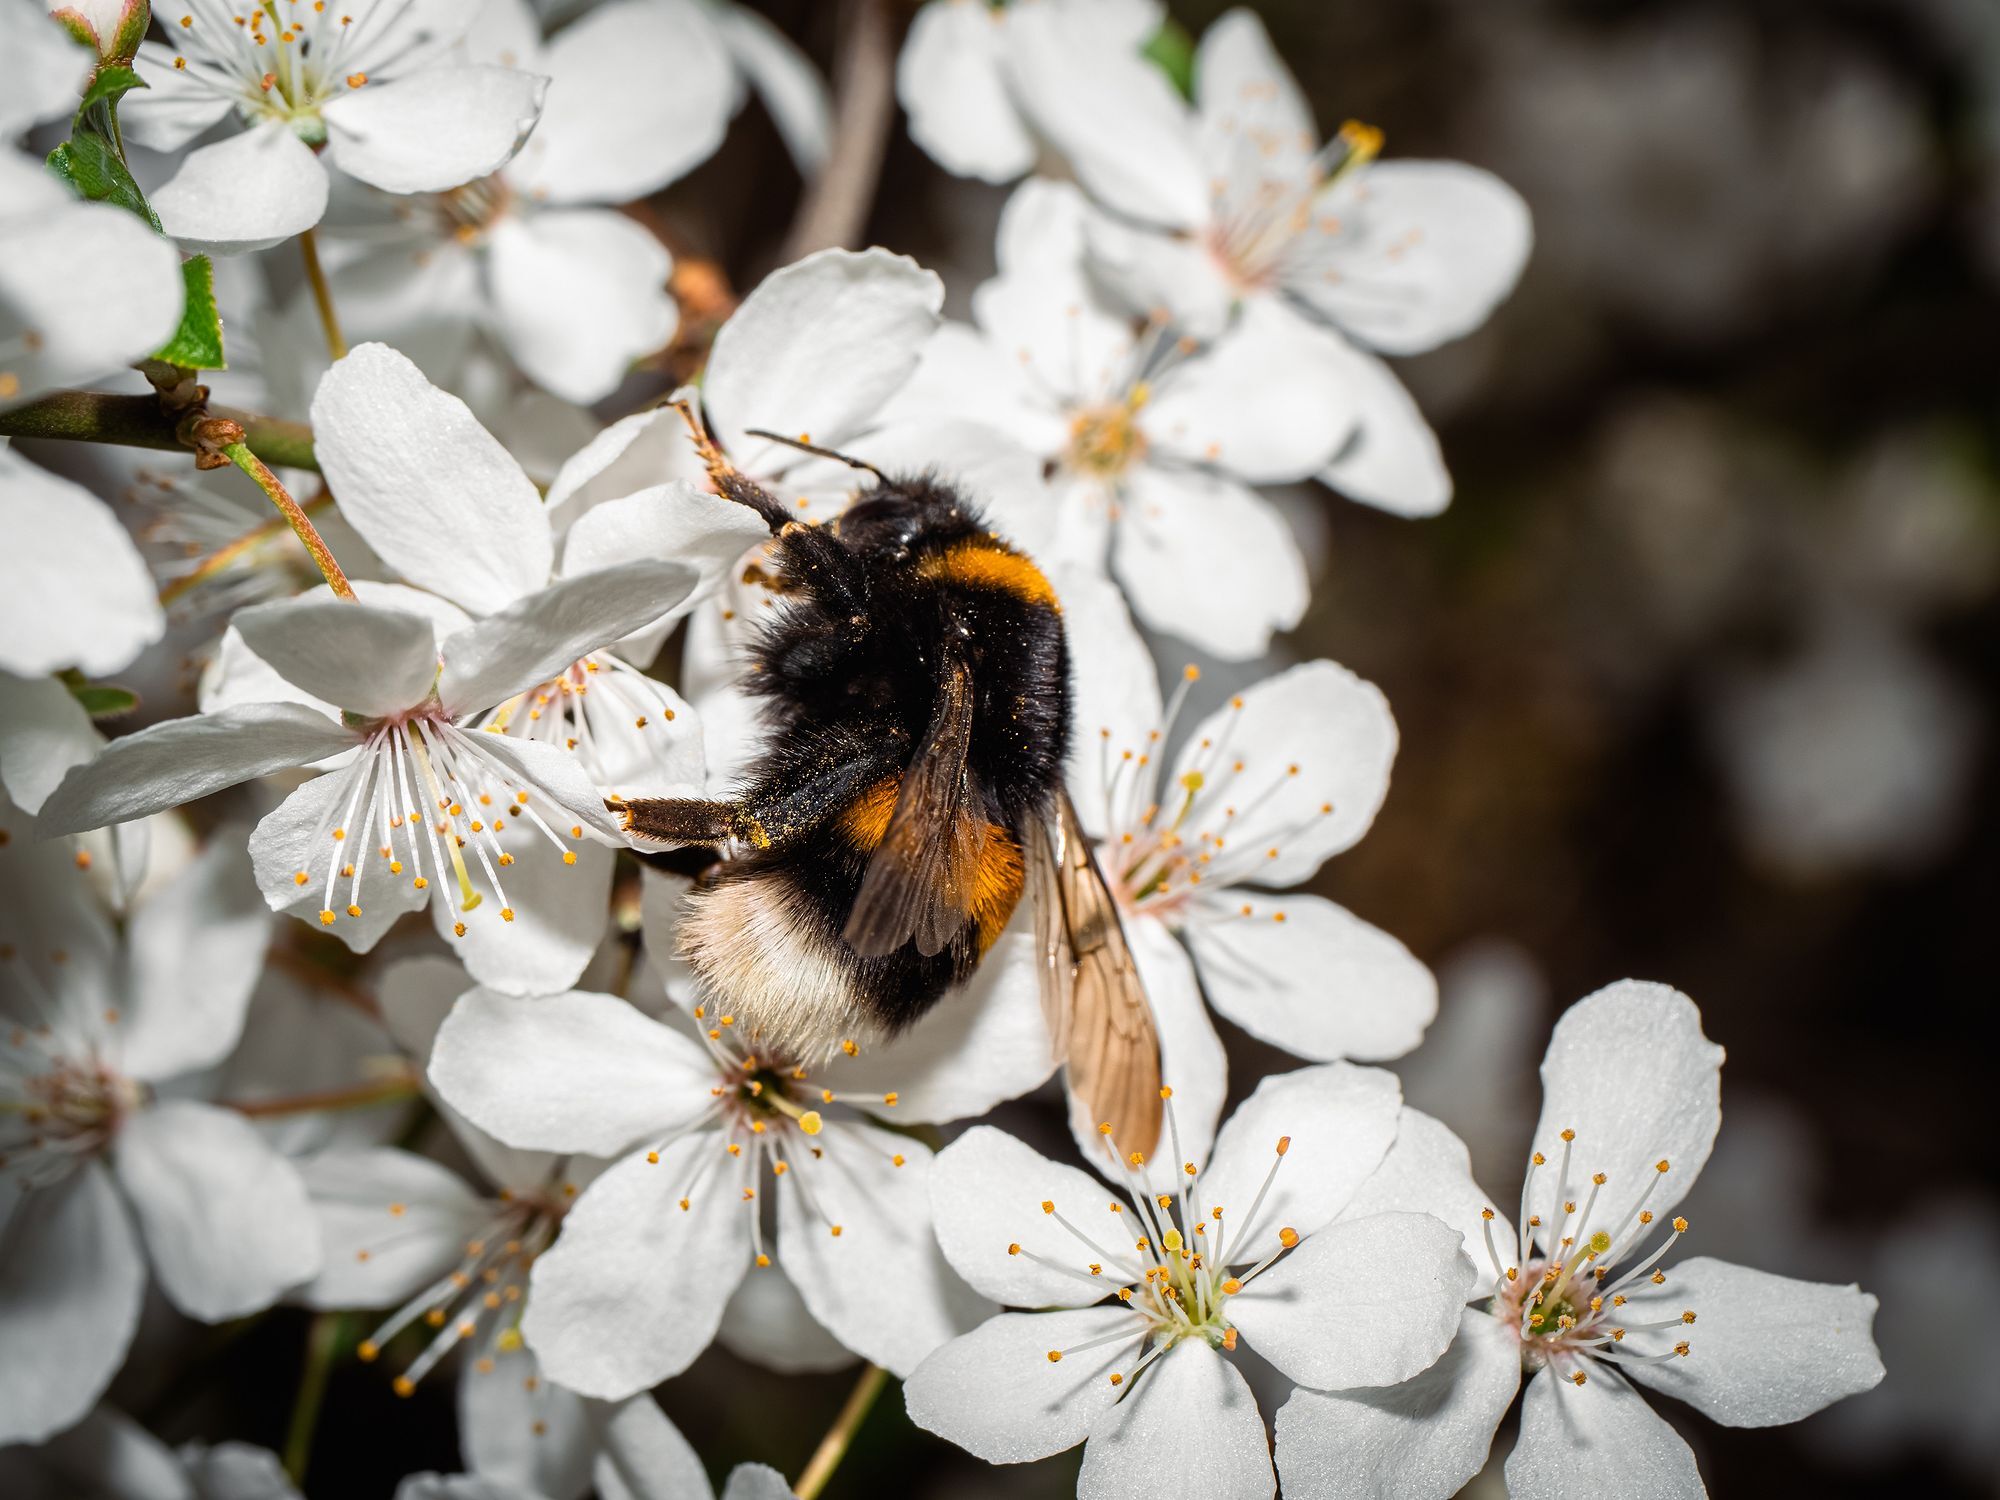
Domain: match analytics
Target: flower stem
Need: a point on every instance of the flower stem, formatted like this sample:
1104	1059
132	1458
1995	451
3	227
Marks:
840	1436
834	210
323	1341
138	422
260	474
355	1096
336	343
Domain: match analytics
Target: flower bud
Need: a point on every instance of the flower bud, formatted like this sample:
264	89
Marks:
114	28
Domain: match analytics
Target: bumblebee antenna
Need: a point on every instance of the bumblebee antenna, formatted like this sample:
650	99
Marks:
818	452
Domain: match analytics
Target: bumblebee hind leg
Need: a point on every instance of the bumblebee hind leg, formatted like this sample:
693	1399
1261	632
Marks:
687	820
731	482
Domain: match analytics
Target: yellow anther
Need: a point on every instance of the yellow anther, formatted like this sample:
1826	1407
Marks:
1578	1377
1568	1135
763	1260
1104	1128
1288	1237
402	1385
1048	1206
301	878
353	910
1055	1356
326	917
1485	1213
810	1122
569	856
367	1350
890	1098
1680	1226
1231	1287
1014	1248
1284	1144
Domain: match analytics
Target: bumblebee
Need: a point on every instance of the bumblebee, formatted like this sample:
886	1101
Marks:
915	687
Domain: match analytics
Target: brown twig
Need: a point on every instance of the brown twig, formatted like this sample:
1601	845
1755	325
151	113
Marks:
834	210
140	422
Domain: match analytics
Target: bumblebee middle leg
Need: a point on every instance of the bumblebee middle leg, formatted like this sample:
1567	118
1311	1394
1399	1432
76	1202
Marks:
689	820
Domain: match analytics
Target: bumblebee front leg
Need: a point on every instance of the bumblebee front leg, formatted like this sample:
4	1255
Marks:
689	820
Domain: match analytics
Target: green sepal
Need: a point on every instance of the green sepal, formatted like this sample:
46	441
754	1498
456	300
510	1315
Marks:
89	164
101	700
1172	51
112	83
197	344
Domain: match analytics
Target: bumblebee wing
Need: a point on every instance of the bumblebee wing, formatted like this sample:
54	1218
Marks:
1104	1024
919	880
1054	958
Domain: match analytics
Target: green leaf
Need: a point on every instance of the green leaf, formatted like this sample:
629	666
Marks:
1172	51
90	165
111	84
198	343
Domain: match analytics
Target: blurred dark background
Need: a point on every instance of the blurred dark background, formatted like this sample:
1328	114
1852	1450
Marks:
1696	678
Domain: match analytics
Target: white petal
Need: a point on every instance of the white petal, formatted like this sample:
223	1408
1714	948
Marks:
997	1395
1428	1171
1629	1070
249	191
1320	983
1424	252
768	1324
881	1287
432	130
73	589
166	764
987	1192
635	1285
756	1482
644	1456
1369	1301
547	632
390	1223
43	732
609	133
794	94
1421	1440
818	347
559	916
42	70
93	282
1147	268
109	1454
1340	1120
1766	1349
1114	693
194	952
516	1427
632	454
361	657
292	839
174	107
429	489
1392	461
950	84
1192	1414
227	1223
1223	408
675	522
72	1283
1582	1442
575	1072
1243	88
982	1043
461	1487
1125	131
1181	578
236	1471
1335	728
579	295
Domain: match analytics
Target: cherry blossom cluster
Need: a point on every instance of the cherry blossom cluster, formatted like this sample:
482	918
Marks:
335	985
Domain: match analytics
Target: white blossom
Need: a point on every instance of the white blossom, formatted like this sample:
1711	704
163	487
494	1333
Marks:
1587	1301
378	88
1153	441
84	287
1263	1245
1232	203
107	1174
707	1123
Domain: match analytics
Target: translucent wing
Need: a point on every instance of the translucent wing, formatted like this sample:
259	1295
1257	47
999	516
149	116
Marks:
1091	991
919	880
